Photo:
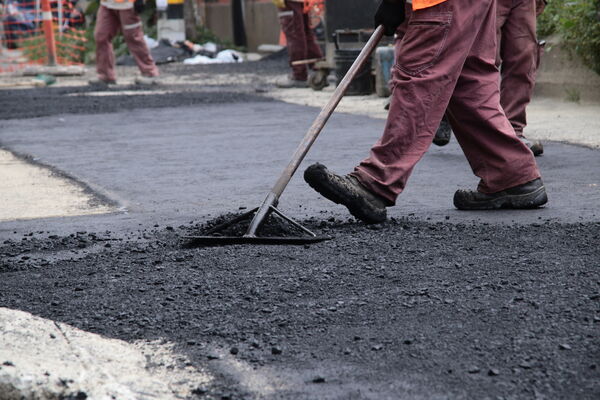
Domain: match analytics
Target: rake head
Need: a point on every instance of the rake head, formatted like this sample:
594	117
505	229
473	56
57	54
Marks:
227	233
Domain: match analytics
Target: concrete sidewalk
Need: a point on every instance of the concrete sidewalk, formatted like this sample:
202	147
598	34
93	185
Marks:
30	191
550	118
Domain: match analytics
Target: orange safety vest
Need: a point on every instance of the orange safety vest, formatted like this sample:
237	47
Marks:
419	4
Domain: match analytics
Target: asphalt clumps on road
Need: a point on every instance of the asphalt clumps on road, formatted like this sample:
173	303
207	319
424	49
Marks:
272	227
520	293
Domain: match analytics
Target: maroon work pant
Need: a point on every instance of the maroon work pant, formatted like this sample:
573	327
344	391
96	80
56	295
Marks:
446	60
301	40
108	23
518	55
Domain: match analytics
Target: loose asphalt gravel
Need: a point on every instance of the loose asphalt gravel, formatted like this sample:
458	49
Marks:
460	306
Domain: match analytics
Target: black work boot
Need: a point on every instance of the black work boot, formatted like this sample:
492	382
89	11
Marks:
443	133
535	146
346	190
529	195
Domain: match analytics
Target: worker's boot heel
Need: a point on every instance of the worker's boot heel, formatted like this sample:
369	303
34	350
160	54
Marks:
529	195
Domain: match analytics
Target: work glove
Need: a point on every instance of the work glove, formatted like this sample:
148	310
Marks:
390	14
138	6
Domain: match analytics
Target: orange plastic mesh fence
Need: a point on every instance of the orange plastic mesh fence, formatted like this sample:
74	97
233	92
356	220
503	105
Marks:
22	40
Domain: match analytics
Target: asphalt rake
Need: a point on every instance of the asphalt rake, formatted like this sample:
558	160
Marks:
214	237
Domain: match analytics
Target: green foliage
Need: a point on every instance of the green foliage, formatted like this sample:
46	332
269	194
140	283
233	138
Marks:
573	95
578	23
203	35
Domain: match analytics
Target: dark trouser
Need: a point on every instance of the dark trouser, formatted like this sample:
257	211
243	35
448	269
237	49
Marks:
108	24
301	40
518	55
446	60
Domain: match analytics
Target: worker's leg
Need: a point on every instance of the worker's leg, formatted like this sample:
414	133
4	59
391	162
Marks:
131	25
292	24
518	56
400	32
503	10
430	60
495	154
107	26
312	48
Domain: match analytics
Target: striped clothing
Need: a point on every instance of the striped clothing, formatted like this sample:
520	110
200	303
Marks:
117	4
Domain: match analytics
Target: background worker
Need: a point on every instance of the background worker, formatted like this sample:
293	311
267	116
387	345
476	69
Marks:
121	15
445	64
518	58
301	41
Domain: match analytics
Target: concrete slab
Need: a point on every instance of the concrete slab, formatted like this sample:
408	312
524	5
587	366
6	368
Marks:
550	118
174	165
32	191
46	360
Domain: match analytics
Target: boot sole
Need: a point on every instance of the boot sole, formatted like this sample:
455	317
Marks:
535	199
316	176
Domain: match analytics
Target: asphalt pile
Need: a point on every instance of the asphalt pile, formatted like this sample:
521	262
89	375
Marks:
273	226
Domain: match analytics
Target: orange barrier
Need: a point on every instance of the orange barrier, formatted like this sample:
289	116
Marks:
48	32
40	32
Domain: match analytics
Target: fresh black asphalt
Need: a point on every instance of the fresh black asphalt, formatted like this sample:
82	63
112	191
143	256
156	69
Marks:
434	304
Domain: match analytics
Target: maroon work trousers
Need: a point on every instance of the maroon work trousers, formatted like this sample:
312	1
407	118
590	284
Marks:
301	40
108	23
518	57
446	60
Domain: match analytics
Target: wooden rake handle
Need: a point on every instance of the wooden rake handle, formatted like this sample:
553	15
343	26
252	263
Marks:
313	132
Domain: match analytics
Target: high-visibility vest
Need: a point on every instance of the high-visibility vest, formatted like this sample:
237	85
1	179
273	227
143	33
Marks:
419	4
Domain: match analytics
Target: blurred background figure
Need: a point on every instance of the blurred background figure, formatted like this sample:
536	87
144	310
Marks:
301	42
121	15
518	58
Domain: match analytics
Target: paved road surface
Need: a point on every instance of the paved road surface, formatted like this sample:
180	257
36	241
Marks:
435	304
173	165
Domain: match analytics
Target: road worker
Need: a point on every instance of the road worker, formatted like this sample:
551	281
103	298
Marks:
445	64
518	58
301	42
121	15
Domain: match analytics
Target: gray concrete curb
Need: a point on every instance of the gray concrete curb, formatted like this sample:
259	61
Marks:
44	360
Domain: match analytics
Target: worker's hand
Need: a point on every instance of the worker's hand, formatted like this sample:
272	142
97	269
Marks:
539	7
390	14
138	6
